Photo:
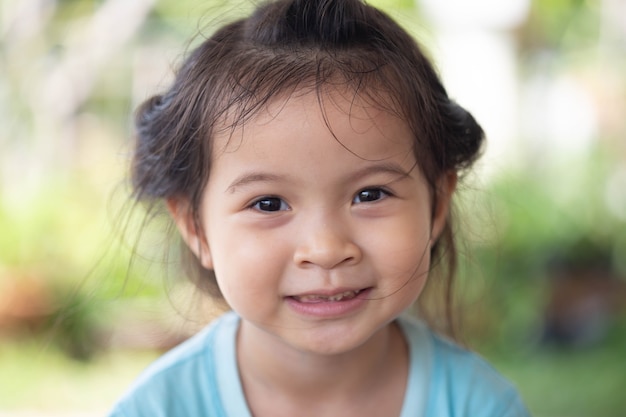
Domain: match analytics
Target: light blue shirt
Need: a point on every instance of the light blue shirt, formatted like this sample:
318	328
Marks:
200	378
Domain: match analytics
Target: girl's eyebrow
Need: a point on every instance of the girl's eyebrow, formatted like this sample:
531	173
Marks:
259	176
380	168
252	177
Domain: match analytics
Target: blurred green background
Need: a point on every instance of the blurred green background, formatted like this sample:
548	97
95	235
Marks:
542	219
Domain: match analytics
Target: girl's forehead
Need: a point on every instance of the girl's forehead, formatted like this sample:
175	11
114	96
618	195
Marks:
345	115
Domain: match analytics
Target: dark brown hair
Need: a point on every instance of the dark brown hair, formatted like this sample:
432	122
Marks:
283	47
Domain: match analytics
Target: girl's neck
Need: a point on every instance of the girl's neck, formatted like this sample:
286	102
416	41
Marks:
293	380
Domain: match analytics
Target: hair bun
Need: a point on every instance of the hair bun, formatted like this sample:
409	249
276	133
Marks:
309	21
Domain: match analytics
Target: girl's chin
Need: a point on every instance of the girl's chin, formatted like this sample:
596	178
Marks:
331	339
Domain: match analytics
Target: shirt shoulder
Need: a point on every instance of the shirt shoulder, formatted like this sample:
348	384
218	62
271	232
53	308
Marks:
182	382
465	384
451	381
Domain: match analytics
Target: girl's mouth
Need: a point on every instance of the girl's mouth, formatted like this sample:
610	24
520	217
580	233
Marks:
319	298
329	304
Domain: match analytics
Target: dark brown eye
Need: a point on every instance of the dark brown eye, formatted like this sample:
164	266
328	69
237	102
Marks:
369	195
270	204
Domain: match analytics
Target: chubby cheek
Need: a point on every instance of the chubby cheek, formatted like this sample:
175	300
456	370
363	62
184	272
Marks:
248	274
403	261
406	284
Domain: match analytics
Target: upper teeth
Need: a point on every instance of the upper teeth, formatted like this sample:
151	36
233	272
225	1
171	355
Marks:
337	297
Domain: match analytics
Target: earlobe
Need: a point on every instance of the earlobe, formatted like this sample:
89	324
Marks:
445	188
192	233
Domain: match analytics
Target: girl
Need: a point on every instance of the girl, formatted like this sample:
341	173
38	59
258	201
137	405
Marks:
308	155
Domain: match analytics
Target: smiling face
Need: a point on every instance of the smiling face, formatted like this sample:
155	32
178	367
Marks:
318	224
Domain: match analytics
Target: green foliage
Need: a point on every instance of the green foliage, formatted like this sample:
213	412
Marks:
562	25
559	211
65	252
557	382
527	219
77	324
394	5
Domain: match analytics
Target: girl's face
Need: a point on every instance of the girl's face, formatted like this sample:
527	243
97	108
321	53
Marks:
318	224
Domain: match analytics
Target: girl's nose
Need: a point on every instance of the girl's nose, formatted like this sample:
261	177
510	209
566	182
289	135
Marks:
327	247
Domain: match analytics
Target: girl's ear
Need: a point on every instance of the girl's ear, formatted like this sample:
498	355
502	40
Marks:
445	188
192	234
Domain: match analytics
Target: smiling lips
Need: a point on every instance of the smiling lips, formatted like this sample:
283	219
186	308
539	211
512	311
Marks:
329	304
319	298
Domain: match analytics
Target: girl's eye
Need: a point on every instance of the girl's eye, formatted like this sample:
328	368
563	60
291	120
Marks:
369	195
270	204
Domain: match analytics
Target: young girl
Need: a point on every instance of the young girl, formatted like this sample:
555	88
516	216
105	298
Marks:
308	155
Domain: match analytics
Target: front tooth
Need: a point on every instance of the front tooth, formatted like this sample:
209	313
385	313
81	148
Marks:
337	297
310	298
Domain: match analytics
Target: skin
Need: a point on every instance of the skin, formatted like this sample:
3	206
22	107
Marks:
295	212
